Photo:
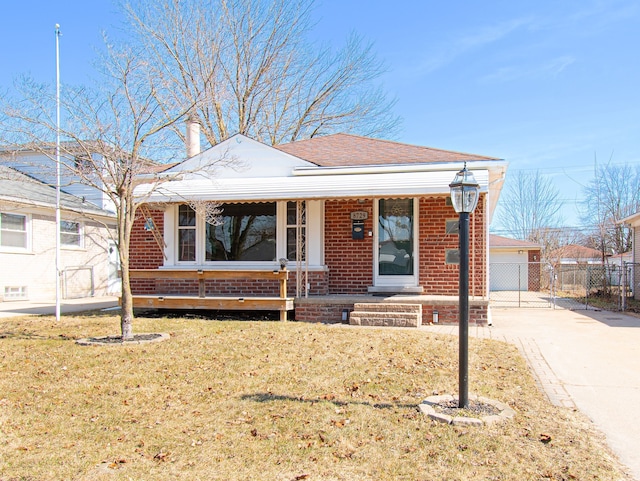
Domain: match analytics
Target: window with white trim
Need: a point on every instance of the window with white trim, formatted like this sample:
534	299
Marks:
70	234
293	214
14	231
186	234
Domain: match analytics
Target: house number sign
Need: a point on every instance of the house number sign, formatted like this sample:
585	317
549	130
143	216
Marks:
359	215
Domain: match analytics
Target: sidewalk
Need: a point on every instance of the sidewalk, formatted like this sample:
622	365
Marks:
26	308
582	359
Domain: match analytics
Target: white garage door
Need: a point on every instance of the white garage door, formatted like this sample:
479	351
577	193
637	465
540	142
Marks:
509	271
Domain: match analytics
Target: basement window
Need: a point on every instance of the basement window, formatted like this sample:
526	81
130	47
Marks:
15	293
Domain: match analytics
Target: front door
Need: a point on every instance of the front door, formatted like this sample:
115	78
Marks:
395	259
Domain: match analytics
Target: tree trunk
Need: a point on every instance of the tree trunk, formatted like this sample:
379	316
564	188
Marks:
126	314
126	217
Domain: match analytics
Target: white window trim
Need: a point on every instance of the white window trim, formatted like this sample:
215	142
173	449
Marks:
394	281
315	246
199	232
28	247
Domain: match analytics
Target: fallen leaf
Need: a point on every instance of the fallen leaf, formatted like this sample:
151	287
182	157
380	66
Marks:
161	456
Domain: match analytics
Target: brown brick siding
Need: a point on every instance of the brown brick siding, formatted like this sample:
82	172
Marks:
350	261
436	276
534	270
144	251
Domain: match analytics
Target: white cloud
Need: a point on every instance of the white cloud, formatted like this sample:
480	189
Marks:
551	68
472	41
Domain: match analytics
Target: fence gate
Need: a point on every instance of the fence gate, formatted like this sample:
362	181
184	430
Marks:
571	286
521	284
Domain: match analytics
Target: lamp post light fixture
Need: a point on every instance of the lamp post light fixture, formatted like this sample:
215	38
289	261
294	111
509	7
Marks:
464	197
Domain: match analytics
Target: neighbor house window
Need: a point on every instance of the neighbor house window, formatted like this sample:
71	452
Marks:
186	234
13	231
70	234
243	232
293	216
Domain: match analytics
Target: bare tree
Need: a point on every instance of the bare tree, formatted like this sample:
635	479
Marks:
108	136
250	68
612	195
531	209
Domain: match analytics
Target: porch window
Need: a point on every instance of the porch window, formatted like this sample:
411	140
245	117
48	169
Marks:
13	231
70	234
244	232
186	234
295	215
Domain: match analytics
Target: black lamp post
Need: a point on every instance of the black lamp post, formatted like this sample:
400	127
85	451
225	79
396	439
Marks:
464	197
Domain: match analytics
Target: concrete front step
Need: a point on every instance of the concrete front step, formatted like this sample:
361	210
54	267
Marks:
386	307
386	314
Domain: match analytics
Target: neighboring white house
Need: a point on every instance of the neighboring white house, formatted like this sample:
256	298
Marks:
42	167
633	221
89	260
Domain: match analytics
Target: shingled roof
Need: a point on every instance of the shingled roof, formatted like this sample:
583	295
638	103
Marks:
499	241
340	150
18	187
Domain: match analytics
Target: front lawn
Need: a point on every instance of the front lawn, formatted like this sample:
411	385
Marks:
228	400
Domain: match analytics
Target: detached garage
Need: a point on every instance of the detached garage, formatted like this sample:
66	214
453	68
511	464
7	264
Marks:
514	265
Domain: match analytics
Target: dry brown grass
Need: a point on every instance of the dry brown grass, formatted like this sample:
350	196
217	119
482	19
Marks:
270	401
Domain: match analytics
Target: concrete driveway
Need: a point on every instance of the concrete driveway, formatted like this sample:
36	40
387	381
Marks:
30	308
582	358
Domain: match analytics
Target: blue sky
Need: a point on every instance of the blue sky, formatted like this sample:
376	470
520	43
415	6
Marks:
544	84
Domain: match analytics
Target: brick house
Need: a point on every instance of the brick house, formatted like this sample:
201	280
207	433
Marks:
356	220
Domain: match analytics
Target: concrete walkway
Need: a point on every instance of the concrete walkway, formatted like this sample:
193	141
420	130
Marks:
26	308
584	359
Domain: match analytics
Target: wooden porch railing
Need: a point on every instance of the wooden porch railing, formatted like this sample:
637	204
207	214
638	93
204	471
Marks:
250	302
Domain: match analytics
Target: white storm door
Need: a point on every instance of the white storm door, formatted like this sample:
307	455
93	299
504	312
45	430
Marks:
395	254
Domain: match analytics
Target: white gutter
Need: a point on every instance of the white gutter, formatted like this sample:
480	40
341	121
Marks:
400	168
45	205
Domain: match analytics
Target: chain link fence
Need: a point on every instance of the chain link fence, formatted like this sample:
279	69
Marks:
573	286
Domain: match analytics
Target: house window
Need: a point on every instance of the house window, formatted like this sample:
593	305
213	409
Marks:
186	234
13	231
244	232
293	214
70	234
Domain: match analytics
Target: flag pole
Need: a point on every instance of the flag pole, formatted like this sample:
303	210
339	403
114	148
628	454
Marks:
57	172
